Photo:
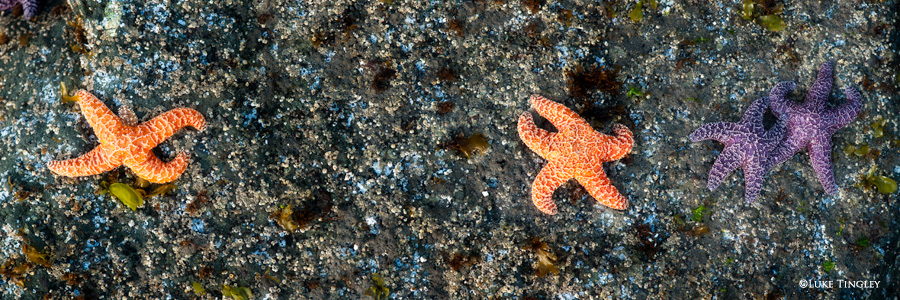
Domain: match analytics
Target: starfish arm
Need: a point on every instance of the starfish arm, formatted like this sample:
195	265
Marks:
94	162
820	159
157	171
29	8
728	160
778	100
753	117
535	138
753	178
791	145
818	93
774	135
562	117
842	115
105	123
615	148
151	133
551	177
594	180
717	131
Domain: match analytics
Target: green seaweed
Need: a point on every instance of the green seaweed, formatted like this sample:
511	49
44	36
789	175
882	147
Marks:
828	266
884	184
841	229
236	293
634	92
862	150
862	242
64	94
33	255
764	13
698	213
771	22
127	195
377	291
878	128
636	14
198	289
747	11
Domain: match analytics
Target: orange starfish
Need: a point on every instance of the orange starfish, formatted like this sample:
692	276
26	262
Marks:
576	151
123	142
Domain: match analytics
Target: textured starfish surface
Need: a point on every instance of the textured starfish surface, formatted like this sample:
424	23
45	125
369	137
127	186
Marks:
29	7
747	146
126	143
576	151
811	124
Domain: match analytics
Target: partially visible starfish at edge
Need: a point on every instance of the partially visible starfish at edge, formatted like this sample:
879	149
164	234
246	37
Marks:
29	7
810	124
576	151
124	142
747	146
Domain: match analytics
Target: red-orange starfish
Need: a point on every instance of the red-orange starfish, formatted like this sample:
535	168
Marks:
576	151
126	143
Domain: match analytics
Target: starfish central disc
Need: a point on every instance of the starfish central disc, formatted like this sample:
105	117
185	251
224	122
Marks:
576	151
127	144
811	124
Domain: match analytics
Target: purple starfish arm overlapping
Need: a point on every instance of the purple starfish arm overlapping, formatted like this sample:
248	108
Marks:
811	124
29	7
747	146
808	125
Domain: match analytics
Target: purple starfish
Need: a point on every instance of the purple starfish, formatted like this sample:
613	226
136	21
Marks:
747	145
810	125
28	6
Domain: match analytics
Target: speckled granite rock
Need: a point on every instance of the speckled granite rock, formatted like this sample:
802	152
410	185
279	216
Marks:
348	112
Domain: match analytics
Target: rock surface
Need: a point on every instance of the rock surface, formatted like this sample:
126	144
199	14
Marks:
354	114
